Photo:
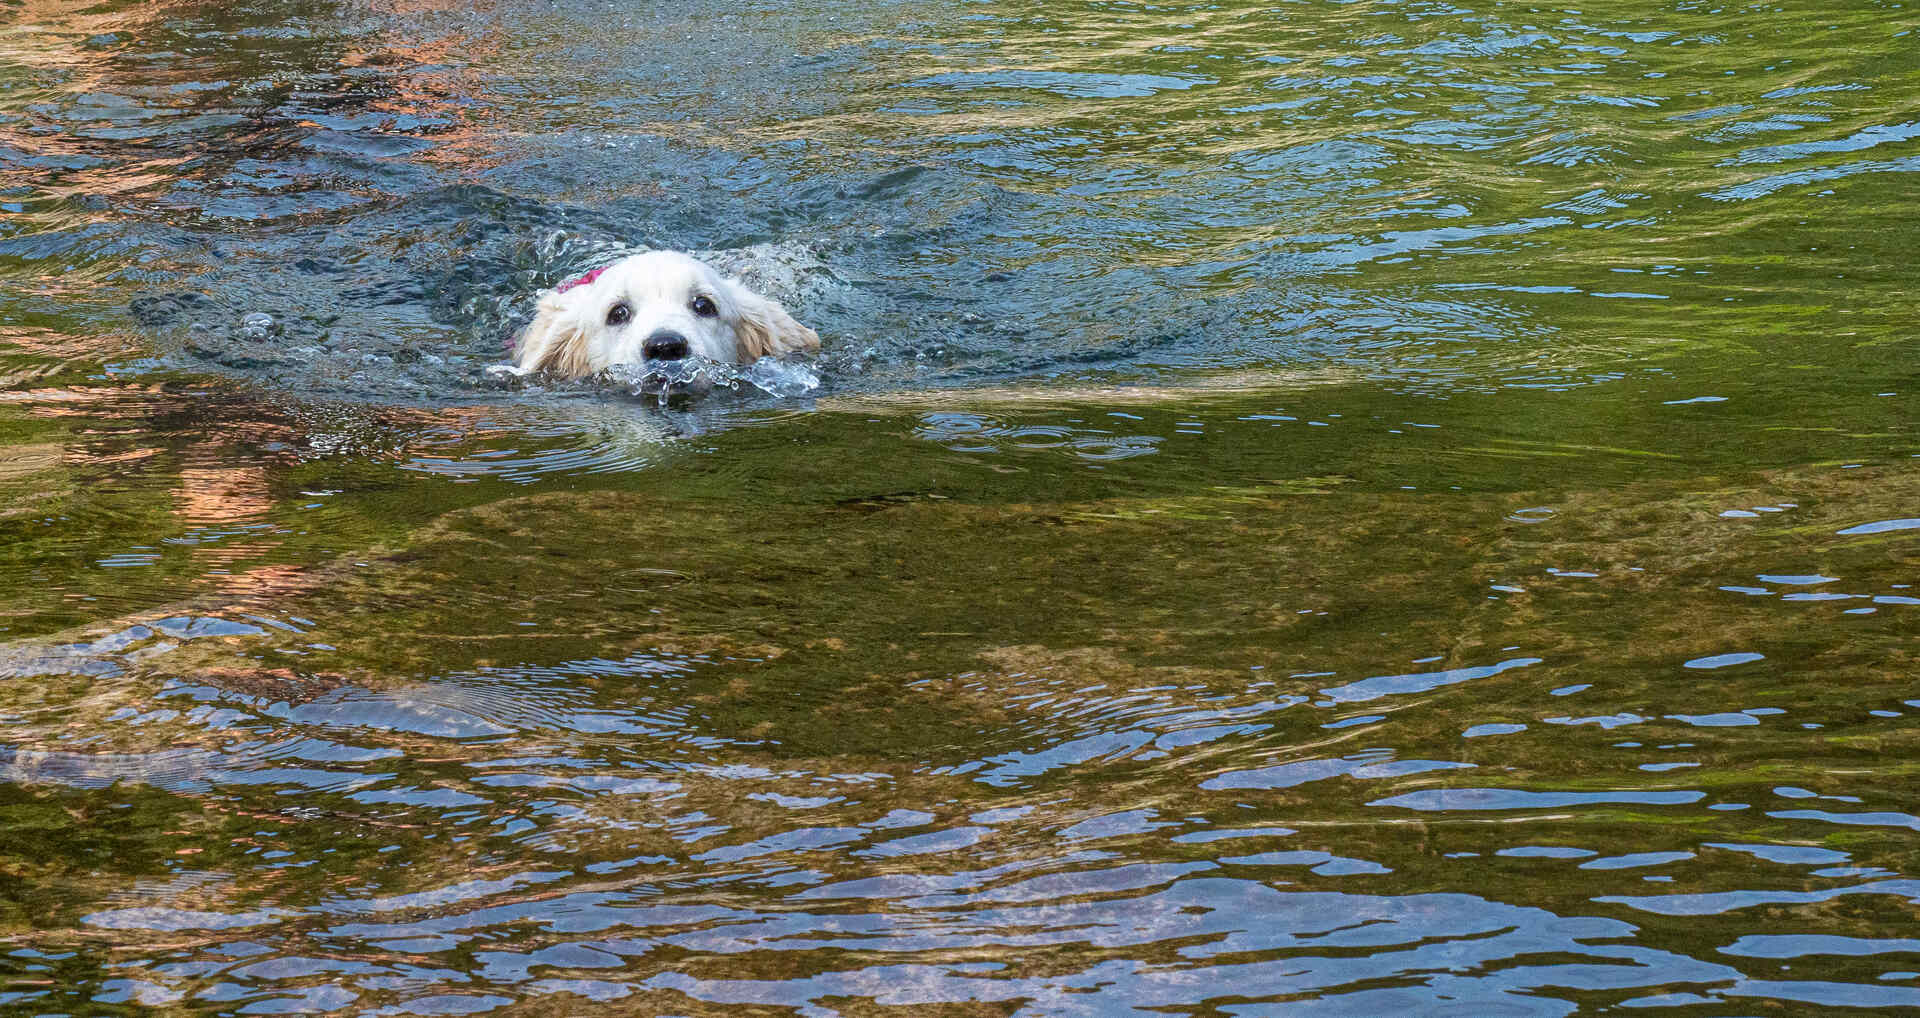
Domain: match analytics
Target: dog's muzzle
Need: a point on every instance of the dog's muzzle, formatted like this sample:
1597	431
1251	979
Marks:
665	345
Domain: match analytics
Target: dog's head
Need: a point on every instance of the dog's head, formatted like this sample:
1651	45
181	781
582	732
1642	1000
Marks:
656	306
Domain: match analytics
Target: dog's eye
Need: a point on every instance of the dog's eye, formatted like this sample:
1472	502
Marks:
703	306
619	313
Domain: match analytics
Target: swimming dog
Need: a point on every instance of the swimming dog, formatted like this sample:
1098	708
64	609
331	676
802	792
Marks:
654	306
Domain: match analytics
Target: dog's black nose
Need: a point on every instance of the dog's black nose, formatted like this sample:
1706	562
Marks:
664	345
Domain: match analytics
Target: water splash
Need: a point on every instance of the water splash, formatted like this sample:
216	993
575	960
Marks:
697	376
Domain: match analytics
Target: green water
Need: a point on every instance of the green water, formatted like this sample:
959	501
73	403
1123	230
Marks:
1331	508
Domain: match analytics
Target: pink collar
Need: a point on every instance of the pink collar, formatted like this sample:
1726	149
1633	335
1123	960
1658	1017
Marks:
580	280
513	341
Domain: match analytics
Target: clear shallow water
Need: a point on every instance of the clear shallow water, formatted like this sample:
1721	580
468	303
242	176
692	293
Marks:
1323	509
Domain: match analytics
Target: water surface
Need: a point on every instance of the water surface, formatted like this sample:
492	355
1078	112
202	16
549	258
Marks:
1328	508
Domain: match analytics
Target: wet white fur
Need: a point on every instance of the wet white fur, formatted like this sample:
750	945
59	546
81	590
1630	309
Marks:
570	335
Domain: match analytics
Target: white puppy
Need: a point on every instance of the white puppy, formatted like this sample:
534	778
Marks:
656	306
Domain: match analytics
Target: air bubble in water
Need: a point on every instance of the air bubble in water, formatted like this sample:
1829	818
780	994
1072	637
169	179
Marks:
256	326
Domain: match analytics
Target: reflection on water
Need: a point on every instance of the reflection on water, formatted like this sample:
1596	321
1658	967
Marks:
623	758
1322	509
360	202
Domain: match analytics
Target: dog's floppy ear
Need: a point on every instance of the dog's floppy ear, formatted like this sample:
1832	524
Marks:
554	341
766	328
